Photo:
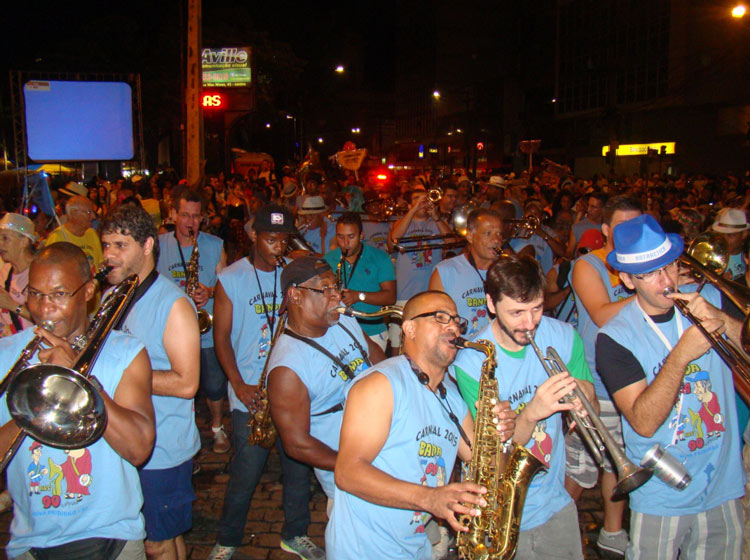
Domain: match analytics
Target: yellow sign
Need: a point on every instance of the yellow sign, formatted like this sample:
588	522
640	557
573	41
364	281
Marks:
641	149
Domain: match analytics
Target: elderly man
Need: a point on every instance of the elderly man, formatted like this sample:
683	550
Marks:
664	377
80	522
77	230
163	318
390	483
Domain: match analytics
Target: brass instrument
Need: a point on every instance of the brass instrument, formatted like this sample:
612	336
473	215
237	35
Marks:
593	430
205	321
505	469
524	228
384	311
59	406
262	430
707	257
434	195
339	271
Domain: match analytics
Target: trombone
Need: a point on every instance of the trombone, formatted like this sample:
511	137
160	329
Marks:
524	228
593	430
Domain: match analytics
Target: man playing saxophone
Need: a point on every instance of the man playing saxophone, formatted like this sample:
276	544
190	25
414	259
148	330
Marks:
404	424
674	390
515	294
63	498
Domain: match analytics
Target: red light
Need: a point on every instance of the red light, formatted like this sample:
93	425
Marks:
212	101
480	146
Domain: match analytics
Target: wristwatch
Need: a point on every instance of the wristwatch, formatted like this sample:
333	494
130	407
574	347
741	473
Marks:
361	296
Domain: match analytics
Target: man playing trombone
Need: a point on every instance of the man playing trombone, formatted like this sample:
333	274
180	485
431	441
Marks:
673	390
515	294
85	503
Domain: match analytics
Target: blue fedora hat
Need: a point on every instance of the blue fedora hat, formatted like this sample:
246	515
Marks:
642	246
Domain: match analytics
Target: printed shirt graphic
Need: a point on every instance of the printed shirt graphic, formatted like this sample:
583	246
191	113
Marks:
88	242
736	266
421	448
376	233
251	331
587	328
326	383
170	265
706	433
61	496
461	282
413	269
519	374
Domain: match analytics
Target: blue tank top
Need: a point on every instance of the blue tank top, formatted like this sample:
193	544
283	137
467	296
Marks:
413	270
464	284
542	251
251	331
376	233
519	374
326	383
170	265
736	266
312	236
65	496
587	328
177	438
421	448
706	428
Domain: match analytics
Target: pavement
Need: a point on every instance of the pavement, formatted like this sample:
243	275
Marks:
263	528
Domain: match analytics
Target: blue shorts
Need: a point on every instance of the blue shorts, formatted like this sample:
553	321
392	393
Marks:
167	501
212	380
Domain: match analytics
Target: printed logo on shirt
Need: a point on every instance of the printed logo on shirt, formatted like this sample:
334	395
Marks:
700	422
58	481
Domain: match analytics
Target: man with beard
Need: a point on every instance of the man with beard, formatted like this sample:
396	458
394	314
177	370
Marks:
463	277
515	294
246	312
312	365
365	274
103	519
389	483
164	320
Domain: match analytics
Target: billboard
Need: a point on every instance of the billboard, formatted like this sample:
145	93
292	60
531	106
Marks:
226	66
641	149
78	121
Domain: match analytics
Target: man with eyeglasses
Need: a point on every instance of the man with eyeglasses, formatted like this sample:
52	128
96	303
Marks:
164	319
515	294
674	391
49	522
600	295
404	424
176	252
79	213
312	364
248	300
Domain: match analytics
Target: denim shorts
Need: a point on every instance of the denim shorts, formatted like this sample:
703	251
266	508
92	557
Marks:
167	501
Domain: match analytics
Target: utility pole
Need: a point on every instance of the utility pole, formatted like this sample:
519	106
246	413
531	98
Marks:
193	115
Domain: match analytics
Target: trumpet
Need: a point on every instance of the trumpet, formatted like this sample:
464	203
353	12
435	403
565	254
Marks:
592	429
524	228
434	195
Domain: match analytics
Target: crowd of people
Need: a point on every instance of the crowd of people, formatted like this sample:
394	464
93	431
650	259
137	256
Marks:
336	306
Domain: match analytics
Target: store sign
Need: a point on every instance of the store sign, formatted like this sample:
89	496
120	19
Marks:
642	149
226	66
212	101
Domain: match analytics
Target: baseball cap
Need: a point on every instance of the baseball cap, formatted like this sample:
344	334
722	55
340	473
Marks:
273	217
301	270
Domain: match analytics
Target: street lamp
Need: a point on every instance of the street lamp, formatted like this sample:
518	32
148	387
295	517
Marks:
268	125
320	139
356	130
436	94
739	11
339	69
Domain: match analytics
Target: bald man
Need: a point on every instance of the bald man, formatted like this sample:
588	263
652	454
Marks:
79	213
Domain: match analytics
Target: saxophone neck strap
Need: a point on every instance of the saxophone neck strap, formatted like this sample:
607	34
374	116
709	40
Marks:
140	290
310	342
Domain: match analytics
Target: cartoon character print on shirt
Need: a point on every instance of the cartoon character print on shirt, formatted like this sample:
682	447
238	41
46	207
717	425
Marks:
432	464
421	259
542	446
701	419
264	344
264	310
70	466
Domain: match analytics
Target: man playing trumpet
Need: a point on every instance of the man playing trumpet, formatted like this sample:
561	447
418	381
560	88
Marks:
660	370
515	294
47	517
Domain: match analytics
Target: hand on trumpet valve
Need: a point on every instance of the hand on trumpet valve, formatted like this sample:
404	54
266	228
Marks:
551	396
59	352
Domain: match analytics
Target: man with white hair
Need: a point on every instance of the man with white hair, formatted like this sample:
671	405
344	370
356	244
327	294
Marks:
77	230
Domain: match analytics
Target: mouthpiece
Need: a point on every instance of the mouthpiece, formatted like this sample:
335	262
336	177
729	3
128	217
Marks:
344	310
530	336
460	343
668	290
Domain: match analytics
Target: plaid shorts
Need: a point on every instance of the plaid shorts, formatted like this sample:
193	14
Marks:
579	465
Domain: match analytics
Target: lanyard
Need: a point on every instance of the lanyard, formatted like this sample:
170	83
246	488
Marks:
182	258
352	268
140	290
270	317
470	258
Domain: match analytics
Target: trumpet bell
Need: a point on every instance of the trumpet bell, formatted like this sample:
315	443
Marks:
629	478
57	406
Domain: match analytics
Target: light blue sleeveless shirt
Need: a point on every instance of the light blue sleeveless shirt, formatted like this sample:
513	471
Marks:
464	284
736	265
312	236
542	251
519	375
170	265
326	383
60	496
376	233
708	441
413	270
251	332
421	448
587	328
177	438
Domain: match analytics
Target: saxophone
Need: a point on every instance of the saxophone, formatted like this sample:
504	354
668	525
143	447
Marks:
505	469
205	321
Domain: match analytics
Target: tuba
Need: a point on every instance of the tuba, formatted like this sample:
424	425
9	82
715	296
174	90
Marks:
205	321
505	469
58	406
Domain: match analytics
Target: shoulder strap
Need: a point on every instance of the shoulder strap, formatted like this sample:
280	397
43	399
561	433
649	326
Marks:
344	367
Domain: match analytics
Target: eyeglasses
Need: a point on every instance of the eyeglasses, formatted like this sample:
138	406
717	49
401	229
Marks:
653	275
328	291
186	216
58	298
445	318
